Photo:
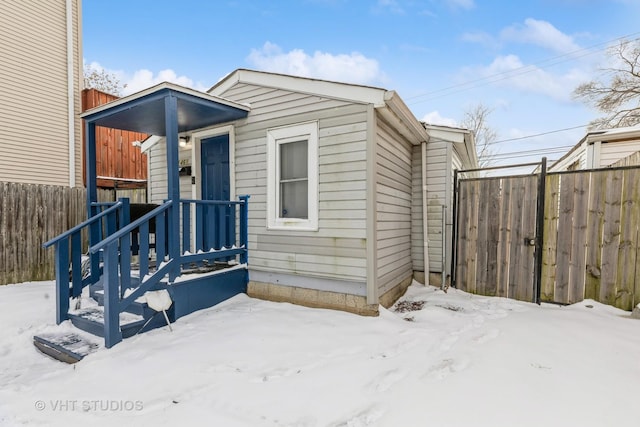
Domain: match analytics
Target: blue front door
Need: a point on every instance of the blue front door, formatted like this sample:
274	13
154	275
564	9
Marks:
219	220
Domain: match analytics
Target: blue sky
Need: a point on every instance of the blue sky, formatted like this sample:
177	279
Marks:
522	59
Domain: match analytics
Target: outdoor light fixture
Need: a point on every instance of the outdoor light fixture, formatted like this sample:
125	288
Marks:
184	140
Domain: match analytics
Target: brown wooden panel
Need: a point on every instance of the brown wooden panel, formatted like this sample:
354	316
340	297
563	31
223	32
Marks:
472	238
550	233
595	227
462	235
481	245
527	251
563	245
517	235
504	240
611	237
579	238
627	251
493	235
116	156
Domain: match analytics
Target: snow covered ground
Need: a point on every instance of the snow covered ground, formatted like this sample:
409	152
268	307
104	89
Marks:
462	360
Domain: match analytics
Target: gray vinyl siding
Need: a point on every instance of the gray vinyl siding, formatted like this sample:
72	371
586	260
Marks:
338	249
34	133
157	183
438	166
393	212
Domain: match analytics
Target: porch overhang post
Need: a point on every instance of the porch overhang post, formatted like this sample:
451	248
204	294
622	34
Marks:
92	194
173	184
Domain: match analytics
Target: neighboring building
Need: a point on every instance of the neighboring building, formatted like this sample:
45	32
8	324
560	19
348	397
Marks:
334	172
119	161
600	149
40	84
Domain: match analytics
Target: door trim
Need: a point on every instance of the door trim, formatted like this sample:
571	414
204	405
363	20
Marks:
196	153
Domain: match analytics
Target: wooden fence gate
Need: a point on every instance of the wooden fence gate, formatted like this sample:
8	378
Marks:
558	237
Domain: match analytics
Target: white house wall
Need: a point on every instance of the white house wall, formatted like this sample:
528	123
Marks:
579	155
338	249
611	152
393	221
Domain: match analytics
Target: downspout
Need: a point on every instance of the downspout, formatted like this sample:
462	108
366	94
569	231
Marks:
71	96
425	224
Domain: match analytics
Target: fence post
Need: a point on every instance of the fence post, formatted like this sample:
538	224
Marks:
244	228
454	230
540	230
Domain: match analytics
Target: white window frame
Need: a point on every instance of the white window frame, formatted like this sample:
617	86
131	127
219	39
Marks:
275	138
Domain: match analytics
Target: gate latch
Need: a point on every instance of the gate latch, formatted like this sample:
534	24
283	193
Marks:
529	241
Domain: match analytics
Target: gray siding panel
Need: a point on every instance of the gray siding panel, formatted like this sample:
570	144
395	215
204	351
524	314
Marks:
393	212
437	168
337	250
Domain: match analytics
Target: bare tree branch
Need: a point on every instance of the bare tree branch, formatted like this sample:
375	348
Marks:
476	120
618	98
100	79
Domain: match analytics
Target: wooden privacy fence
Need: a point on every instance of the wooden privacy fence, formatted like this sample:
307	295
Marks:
29	216
559	237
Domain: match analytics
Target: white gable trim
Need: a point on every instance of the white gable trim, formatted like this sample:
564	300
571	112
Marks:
342	91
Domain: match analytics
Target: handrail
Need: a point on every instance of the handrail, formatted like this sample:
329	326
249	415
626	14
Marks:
83	224
128	228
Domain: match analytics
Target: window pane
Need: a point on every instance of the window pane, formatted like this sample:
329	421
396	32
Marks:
293	160
293	199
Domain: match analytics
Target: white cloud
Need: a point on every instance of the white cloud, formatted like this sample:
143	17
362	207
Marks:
539	33
144	78
391	6
482	38
510	71
462	4
434	118
532	32
353	67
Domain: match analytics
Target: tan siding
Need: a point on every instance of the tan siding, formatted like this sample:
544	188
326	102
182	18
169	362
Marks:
33	82
337	249
393	210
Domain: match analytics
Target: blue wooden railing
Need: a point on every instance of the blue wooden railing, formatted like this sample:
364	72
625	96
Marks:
117	252
105	223
216	237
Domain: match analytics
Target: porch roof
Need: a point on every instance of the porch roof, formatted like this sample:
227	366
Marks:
144	111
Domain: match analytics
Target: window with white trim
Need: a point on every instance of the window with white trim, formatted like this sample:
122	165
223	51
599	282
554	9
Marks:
292	174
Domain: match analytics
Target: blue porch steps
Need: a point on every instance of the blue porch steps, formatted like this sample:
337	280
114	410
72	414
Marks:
194	291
